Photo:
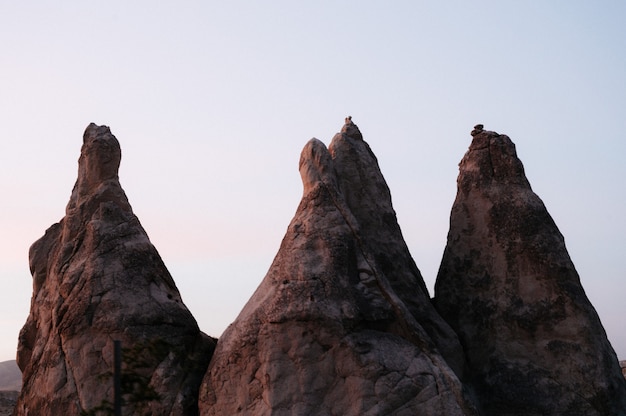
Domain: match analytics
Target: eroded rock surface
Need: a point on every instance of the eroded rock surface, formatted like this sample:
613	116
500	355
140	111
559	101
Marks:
534	343
96	279
341	324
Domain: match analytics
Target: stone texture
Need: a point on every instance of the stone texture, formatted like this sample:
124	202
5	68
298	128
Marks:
533	341
341	324
96	279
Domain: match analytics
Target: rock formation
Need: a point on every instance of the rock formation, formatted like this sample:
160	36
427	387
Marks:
533	342
341	324
96	279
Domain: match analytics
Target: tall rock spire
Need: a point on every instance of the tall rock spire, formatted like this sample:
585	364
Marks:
96	279
368	198
507	286
327	331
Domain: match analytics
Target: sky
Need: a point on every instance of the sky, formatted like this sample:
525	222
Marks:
213	101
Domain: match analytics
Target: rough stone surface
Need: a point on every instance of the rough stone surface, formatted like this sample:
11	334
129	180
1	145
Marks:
533	342
96	279
327	332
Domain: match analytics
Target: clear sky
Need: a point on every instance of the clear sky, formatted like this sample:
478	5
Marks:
212	102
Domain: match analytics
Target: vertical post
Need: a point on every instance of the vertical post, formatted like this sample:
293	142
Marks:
117	378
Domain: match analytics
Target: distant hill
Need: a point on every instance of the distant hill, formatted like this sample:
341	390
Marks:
10	376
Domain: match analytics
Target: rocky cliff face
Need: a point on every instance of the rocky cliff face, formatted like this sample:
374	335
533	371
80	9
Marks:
96	279
342	323
534	343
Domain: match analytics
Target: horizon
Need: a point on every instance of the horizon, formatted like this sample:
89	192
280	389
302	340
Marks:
212	103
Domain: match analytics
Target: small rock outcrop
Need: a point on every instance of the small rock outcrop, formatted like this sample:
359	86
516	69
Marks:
533	341
341	323
96	279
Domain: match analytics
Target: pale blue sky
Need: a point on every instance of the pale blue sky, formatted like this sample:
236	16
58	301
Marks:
213	101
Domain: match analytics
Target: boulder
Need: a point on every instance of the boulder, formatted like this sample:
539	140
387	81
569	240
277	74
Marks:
96	279
341	324
507	286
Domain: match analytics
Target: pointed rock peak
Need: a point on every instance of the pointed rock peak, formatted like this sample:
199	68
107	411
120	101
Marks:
491	158
100	157
316	166
477	129
351	130
95	132
97	189
368	197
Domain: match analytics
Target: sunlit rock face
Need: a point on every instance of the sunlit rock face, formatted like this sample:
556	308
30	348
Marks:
341	324
96	279
533	341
